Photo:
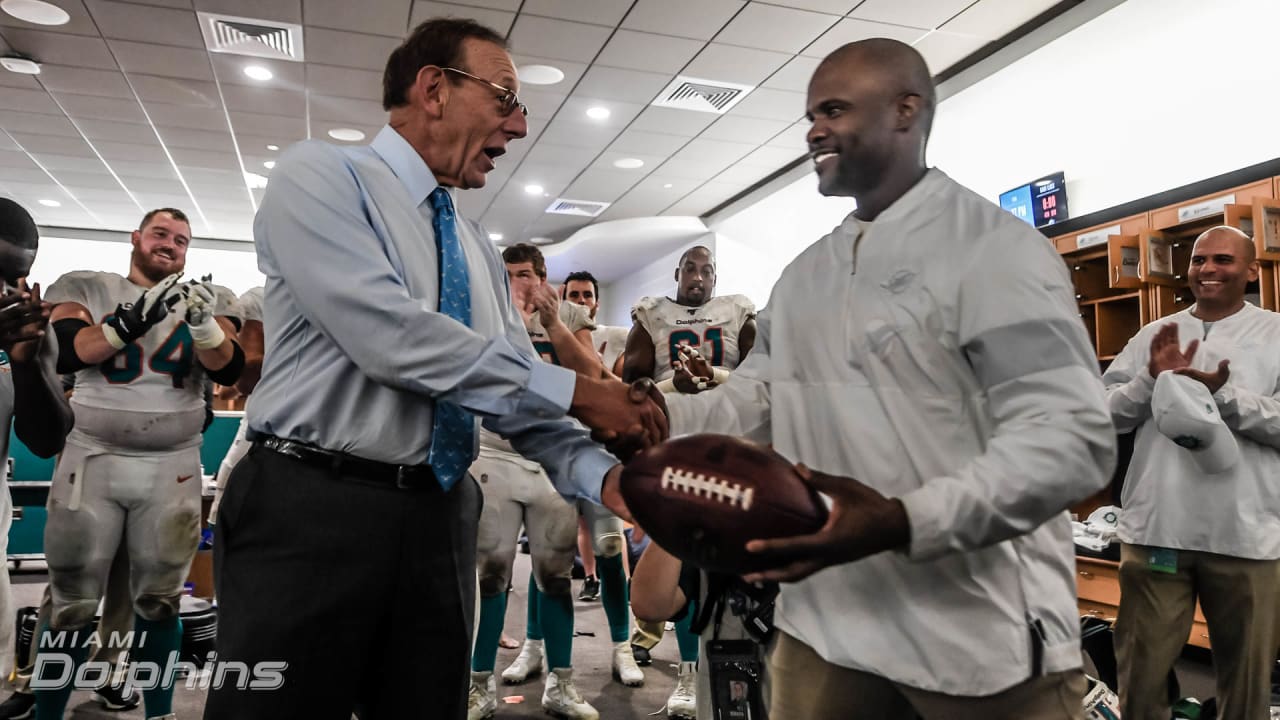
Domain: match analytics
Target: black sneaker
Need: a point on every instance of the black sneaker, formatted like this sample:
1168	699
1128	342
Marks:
112	697
590	590
641	655
19	706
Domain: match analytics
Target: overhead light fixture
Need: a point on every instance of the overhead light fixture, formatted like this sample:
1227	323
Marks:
255	181
628	163
346	134
598	113
257	72
36	11
270	164
50	203
542	240
495	236
273	148
667	185
539	74
533	189
20	65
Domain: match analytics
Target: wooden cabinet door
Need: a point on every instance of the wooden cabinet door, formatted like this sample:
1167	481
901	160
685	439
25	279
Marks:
1123	258
1156	264
1240	217
1266	228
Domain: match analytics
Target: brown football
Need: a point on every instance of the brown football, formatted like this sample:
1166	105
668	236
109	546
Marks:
702	497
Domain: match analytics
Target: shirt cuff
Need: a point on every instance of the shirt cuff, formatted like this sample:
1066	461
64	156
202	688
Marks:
927	519
549	392
589	470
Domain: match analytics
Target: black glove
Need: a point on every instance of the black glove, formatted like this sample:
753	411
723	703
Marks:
131	321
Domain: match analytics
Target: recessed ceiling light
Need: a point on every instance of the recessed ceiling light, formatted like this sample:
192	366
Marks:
36	11
539	74
255	181
667	185
20	65
598	113
346	134
273	148
50	203
495	236
257	72
628	163
541	240
269	164
533	189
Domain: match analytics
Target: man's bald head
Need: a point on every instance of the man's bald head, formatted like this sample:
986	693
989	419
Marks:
1223	263
1242	243
896	66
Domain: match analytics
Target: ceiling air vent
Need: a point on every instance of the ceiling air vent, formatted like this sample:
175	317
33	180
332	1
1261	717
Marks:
581	208
247	36
713	96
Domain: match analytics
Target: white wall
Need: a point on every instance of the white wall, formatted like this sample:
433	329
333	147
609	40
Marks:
236	269
656	278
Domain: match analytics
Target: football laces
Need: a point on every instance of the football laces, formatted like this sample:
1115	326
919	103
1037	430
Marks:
701	485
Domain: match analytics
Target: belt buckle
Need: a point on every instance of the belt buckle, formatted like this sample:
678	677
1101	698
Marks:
402	472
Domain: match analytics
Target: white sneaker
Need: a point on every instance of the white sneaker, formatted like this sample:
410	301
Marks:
683	702
561	699
625	669
528	662
482	699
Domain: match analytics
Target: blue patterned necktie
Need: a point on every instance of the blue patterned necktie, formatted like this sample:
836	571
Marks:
453	432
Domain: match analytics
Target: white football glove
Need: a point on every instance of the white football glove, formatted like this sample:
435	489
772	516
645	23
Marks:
201	300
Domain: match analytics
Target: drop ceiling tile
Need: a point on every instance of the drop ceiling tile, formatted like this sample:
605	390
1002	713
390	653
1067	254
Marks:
92	196
620	113
142	169
742	129
541	103
730	63
325	109
387	17
941	49
508	5
670	121
150	153
608	157
499	20
854	29
16	159
704	199
182	4
713	153
558	227
196	139
85	179
773	158
561	39
258	143
348	49
992	19
256	124
105	108
648	51
769	27
264	100
79	24
20	81
689	169
36	144
188	158
14	121
184	116
285	74
215	178
640	141
60	49
568	132
678	17
163	60
289	11
834	7
85	81
632	86
28	101
926	14
173	91
569	156
157	26
597	12
71	163
16	177
344	82
793	76
112	131
794	137
742	174
771	104
633	205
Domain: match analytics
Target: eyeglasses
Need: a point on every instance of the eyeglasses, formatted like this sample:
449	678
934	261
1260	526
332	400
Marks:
508	97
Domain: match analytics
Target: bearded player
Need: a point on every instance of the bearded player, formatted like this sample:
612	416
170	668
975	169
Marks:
140	347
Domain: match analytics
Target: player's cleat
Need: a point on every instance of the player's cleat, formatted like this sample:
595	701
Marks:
683	702
590	590
528	662
641	655
112	697
562	699
19	706
482	699
170	716
625	669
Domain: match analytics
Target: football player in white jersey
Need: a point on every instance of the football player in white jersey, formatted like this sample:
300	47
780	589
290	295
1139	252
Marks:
248	308
518	492
582	288
689	344
140	347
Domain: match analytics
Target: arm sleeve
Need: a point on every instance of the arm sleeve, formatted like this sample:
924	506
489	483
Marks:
739	407
318	239
1129	384
1253	415
1051	441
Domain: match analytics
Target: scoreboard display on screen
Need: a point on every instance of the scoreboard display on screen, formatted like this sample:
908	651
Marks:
1038	203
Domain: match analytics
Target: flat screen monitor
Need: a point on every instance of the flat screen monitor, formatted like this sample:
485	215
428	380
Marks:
1038	203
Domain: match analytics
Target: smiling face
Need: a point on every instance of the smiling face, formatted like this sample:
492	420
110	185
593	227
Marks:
160	248
851	140
1222	265
473	128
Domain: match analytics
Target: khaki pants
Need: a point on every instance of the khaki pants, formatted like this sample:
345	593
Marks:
647	634
1239	598
806	686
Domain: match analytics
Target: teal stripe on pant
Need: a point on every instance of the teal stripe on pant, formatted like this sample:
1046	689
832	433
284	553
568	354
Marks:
557	622
73	645
615	596
493	612
533	612
686	638
163	640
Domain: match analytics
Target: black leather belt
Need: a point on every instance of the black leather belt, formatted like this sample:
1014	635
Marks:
405	477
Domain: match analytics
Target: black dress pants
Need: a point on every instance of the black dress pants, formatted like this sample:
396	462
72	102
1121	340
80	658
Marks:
366	591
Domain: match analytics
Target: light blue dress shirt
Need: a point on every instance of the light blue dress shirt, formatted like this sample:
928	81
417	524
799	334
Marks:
356	352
